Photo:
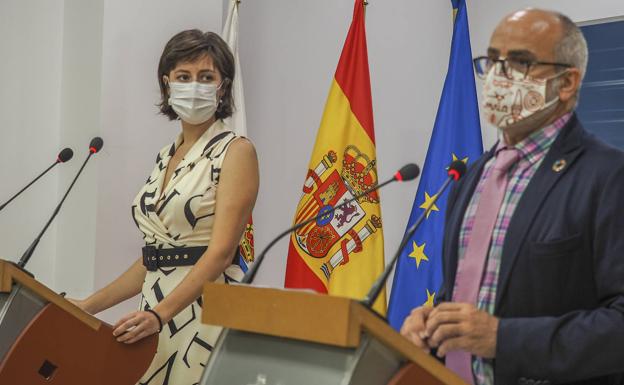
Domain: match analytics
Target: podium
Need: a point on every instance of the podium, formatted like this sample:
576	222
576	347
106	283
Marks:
285	337
45	339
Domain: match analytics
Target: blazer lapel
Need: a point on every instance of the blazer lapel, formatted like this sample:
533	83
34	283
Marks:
567	147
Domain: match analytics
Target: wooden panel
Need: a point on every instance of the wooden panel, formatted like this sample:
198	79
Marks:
76	354
293	314
11	274
412	374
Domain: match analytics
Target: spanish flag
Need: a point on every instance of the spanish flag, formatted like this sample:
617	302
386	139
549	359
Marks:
342	253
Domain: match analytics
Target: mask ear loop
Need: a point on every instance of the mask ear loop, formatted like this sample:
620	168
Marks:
555	77
220	103
165	80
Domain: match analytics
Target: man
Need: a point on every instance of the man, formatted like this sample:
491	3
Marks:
533	288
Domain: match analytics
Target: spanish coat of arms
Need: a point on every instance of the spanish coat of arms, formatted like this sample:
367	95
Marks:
349	226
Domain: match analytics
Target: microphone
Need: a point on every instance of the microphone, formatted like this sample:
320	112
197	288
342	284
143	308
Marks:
456	170
63	156
95	146
406	173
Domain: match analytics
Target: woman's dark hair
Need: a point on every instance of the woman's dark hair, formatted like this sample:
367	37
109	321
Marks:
188	46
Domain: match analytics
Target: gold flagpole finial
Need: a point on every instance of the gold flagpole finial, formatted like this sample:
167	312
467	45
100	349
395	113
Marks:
365	3
238	2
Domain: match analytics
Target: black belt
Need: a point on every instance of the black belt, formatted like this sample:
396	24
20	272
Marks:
154	258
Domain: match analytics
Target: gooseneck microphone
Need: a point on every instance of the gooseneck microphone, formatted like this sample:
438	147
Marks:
94	146
456	170
63	156
406	173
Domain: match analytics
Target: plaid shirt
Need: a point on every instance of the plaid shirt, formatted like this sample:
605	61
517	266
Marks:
533	150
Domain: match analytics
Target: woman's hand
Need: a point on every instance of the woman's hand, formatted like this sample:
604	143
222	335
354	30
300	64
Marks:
135	326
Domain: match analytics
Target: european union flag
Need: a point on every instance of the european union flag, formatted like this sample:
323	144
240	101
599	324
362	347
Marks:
456	135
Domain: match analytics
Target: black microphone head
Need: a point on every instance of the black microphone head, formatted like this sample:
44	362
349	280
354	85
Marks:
65	155
457	169
408	172
96	144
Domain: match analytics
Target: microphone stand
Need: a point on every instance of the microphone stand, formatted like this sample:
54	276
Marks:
29	184
456	170
28	253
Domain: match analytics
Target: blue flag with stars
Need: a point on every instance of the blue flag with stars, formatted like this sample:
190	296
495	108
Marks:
456	135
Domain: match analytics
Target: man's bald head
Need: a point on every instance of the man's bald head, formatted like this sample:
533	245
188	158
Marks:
540	35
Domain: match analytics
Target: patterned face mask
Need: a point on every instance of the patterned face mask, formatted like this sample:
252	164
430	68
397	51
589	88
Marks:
507	101
194	102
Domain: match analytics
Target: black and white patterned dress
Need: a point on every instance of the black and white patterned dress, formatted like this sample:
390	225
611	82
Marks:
182	216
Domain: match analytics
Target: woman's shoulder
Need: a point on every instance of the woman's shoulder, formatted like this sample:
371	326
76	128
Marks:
242	144
241	152
224	139
234	136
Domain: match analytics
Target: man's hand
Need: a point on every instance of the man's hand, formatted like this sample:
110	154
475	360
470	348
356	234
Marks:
461	326
414	326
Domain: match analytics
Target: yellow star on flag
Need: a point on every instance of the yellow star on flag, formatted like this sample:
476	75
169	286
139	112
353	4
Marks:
465	160
430	298
418	254
455	157
429	204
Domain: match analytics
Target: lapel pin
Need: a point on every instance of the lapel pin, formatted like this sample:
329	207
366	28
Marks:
559	165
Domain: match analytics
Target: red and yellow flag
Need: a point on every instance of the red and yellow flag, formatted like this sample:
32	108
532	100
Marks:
342	253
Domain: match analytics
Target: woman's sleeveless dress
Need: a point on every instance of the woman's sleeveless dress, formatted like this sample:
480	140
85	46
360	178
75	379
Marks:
182	216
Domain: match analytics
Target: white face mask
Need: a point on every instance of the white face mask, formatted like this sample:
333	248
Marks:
194	102
508	101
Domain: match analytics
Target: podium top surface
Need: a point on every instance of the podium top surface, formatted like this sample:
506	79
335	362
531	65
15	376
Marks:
10	275
309	316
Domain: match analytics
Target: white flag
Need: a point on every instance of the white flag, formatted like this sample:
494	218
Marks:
238	121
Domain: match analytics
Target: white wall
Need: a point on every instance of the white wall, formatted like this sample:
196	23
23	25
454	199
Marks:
80	121
31	47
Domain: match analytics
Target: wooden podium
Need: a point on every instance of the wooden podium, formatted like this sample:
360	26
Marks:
45	339
285	337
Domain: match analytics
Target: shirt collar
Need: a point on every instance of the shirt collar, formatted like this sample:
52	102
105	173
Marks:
533	147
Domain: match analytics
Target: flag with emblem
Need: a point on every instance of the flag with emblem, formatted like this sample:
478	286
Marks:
238	122
456	135
342	252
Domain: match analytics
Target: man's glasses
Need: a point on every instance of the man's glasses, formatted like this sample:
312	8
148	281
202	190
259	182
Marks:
483	65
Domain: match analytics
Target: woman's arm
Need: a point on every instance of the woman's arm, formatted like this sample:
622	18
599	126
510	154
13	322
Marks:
236	196
125	286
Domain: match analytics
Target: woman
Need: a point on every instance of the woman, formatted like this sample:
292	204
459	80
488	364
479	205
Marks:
192	212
